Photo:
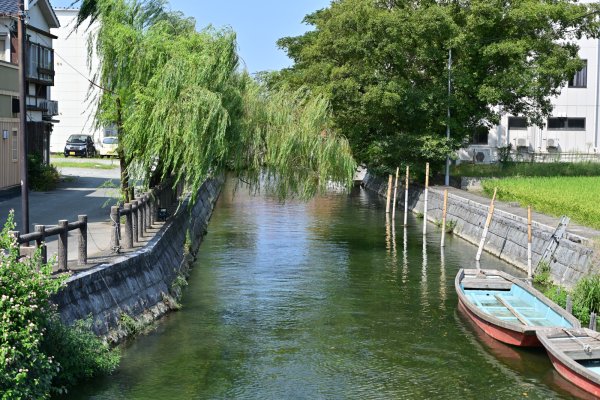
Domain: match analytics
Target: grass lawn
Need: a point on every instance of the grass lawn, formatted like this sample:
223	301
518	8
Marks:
59	161
574	196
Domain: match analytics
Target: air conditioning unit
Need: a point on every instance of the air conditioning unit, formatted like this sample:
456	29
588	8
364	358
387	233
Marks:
482	156
551	144
522	143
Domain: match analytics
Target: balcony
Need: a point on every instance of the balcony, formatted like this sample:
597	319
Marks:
40	64
49	108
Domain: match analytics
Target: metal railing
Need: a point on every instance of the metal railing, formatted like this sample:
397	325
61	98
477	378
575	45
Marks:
62	231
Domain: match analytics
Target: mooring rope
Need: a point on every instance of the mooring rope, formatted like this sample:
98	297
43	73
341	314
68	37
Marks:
586	347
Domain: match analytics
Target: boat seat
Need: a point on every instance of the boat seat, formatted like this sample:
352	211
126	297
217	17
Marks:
485	284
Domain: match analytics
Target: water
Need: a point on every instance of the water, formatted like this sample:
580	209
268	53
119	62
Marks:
324	300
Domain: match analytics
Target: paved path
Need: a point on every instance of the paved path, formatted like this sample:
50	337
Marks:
81	191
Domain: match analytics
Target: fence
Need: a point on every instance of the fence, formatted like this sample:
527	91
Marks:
555	157
62	230
140	215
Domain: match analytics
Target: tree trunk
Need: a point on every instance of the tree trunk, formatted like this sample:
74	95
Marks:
123	164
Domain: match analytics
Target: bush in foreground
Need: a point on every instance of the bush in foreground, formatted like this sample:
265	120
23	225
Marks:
37	352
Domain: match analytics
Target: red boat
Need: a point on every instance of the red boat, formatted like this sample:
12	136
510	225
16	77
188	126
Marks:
506	308
575	354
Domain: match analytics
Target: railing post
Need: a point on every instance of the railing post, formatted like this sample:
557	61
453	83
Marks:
140	218
63	245
82	242
41	243
114	237
128	241
147	212
153	200
135	213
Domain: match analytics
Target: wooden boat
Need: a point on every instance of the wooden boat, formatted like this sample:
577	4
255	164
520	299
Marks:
575	354
506	308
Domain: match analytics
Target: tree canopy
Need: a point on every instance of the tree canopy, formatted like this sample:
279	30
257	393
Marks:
184	108
384	67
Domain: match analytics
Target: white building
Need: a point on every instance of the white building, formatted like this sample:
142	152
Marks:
73	90
571	133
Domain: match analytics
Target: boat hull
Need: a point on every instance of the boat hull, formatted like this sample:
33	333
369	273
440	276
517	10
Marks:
575	378
508	336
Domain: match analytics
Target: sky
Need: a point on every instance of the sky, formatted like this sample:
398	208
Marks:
258	24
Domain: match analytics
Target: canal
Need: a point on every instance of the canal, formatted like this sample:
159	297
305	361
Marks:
323	300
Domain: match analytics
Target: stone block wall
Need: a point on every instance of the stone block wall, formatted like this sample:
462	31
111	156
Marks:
140	284
576	256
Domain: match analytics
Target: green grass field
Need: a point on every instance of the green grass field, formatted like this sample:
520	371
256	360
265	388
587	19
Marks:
575	197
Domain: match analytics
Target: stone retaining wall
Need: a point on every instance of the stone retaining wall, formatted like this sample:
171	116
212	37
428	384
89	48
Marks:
575	256
140	285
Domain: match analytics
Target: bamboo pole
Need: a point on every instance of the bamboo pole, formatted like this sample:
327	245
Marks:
426	195
444	211
406	197
389	195
395	195
486	227
529	268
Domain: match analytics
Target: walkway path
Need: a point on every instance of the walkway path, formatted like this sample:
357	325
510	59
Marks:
82	191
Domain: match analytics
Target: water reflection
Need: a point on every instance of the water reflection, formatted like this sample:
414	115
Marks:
424	288
405	255
443	294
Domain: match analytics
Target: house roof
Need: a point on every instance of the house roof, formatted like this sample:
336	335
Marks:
11	7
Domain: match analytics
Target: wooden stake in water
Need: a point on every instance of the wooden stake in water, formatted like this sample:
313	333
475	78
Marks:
486	227
389	195
444	211
426	195
395	195
529	269
406	197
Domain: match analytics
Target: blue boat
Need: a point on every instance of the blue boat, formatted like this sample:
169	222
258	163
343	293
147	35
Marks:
507	308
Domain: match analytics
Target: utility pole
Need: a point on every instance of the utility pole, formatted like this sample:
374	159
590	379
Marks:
23	118
447	177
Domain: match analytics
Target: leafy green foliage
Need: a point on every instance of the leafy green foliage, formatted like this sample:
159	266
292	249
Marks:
384	67
25	370
572	196
37	352
586	298
79	354
42	177
183	109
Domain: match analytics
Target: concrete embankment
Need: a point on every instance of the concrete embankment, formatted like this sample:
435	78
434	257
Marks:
577	254
144	285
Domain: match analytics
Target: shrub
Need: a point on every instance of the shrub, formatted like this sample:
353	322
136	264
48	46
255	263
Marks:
42	177
37	352
586	297
25	370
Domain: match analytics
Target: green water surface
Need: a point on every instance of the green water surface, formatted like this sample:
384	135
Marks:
324	300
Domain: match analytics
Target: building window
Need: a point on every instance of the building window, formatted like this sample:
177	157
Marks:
3	48
580	78
480	135
15	146
517	123
572	124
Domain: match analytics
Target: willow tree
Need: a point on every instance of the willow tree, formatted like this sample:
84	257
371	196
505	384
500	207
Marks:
184	109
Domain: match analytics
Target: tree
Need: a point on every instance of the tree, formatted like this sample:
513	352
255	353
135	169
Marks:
183	108
384	66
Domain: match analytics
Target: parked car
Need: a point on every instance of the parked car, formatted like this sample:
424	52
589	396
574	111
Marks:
108	147
80	145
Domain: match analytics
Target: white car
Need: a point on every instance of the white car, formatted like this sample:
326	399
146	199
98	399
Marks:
108	147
